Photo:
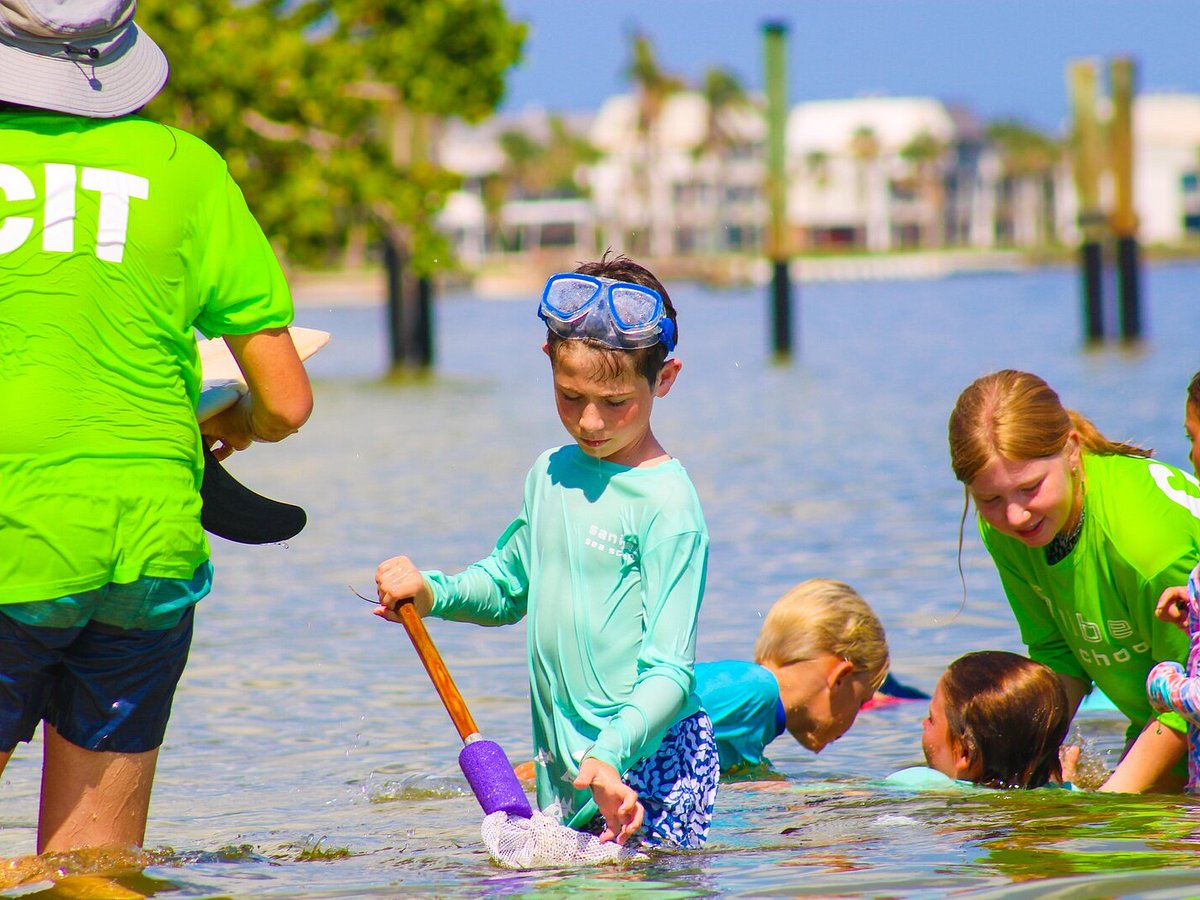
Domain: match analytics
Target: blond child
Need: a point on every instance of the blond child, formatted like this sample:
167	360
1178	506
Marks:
819	658
606	562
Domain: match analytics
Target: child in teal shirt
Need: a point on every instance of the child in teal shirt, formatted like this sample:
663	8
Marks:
819	658
606	562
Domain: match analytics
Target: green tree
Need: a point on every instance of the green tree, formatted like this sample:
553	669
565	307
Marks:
1028	160
653	86
865	149
324	108
724	97
924	155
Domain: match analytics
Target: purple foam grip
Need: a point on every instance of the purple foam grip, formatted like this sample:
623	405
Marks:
492	779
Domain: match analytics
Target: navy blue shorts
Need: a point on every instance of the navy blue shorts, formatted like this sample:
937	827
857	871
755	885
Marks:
101	686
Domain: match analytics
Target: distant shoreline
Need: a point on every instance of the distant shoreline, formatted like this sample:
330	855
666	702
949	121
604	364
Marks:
513	279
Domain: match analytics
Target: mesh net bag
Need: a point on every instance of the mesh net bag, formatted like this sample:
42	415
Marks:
541	842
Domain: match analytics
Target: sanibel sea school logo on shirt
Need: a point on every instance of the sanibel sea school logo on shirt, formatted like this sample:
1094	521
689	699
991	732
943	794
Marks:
1096	633
62	183
611	542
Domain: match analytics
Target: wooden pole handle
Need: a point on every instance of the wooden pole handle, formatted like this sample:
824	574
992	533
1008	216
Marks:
438	674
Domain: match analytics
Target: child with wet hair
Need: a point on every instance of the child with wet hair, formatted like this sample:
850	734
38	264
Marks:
996	719
819	658
606	562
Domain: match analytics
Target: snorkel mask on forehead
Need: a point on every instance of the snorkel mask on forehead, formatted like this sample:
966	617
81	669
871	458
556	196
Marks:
618	314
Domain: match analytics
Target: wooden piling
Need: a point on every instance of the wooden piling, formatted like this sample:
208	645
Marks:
778	243
1123	221
1087	163
409	310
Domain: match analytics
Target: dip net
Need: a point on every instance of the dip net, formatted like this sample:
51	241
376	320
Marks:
541	842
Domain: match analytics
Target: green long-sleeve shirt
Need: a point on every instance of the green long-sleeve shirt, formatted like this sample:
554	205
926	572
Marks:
1091	615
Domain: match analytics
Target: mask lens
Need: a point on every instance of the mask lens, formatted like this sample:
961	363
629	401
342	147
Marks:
634	308
567	297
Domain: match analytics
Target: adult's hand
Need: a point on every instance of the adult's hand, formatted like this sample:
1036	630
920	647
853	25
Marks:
280	396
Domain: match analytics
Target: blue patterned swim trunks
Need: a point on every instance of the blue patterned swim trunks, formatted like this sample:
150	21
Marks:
677	786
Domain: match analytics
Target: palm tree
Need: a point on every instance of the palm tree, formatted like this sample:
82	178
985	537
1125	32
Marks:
816	164
865	149
522	162
924	154
564	156
535	169
1028	161
723	95
514	180
653	87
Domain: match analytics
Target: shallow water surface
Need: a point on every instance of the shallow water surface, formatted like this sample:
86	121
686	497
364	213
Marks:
308	755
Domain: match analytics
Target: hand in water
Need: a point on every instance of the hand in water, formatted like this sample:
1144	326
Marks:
617	801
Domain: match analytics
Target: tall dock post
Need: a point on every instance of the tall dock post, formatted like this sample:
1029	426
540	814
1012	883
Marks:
1121	77
775	52
409	309
409	295
1087	162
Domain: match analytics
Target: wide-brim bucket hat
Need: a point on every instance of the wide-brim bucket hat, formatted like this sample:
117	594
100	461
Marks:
84	57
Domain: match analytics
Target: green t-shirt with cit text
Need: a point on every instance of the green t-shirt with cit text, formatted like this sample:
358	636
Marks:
119	238
1091	615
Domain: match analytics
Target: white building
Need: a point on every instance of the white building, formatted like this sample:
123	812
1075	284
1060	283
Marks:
1166	140
874	174
882	173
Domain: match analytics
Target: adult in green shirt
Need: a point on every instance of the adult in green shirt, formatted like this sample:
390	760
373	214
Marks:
1086	534
119	237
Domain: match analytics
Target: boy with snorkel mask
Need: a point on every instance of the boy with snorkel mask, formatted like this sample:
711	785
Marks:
607	562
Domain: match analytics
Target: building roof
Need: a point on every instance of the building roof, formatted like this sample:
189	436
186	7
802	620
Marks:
682	125
828	126
1167	119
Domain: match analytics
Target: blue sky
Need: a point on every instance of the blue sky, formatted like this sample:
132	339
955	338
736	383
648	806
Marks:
1001	58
